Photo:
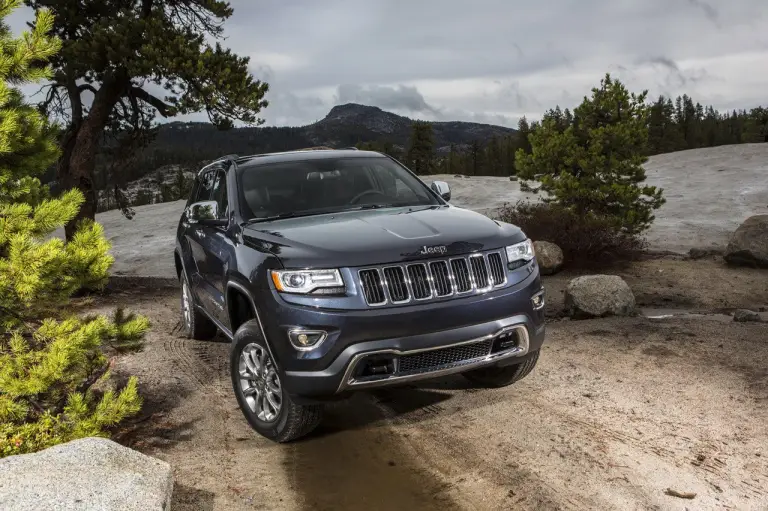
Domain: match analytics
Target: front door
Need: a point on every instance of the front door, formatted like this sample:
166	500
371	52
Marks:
218	251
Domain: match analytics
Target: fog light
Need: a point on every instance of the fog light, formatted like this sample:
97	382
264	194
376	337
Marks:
306	339
538	300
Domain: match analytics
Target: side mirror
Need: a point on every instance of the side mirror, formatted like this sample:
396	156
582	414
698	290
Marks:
442	189
205	213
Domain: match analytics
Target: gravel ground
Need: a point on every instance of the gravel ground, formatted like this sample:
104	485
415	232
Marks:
709	193
617	411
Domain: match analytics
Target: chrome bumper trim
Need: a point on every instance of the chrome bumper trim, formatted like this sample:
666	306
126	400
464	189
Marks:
348	382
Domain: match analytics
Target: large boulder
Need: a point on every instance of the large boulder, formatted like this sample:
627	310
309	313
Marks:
549	256
748	246
594	296
86	474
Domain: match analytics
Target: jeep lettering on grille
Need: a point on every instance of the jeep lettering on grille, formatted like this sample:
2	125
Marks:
437	249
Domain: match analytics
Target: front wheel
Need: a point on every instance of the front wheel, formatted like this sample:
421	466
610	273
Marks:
266	405
495	377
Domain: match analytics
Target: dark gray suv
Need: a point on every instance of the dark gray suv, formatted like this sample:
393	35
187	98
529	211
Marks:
338	270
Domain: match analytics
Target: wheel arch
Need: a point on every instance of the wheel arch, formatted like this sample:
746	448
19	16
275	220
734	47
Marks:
235	291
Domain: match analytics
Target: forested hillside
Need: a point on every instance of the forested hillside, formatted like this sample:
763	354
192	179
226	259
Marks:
440	147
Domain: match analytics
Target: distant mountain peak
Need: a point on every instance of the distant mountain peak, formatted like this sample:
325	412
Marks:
353	110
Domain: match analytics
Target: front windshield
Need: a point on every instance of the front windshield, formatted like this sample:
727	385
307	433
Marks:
328	185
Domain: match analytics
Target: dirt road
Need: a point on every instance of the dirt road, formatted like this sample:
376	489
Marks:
617	412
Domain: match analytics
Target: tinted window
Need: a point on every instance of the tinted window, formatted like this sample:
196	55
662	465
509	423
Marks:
219	193
338	184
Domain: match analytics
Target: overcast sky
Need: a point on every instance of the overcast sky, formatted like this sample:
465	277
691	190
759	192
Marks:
496	60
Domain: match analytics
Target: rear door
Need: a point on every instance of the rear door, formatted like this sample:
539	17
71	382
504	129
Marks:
196	238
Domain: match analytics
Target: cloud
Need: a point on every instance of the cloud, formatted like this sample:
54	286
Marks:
709	11
496	60
397	98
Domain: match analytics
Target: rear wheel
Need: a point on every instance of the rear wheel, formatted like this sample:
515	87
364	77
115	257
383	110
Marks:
194	323
264	402
495	377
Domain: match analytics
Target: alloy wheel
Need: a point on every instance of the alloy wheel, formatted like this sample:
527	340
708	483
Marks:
260	383
186	305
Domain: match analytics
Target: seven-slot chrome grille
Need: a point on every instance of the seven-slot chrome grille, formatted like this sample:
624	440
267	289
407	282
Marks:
432	279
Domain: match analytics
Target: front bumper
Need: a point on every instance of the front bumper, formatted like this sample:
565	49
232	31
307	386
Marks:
467	324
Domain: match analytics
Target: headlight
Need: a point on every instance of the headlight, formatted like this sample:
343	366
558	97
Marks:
308	281
522	251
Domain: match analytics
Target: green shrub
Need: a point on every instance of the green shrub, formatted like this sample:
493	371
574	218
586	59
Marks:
585	239
591	162
54	378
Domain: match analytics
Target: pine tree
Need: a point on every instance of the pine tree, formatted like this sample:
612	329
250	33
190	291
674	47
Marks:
48	365
420	156
594	165
116	54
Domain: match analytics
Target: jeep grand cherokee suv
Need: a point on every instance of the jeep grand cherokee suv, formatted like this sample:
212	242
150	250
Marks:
338	270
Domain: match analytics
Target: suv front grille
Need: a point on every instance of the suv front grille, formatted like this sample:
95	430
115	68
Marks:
399	284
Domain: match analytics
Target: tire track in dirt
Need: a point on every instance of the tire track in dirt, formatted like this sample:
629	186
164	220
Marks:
516	485
204	364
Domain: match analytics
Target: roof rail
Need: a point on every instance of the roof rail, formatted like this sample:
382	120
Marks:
229	157
349	149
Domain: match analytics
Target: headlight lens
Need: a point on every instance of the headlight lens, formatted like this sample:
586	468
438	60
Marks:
308	281
522	251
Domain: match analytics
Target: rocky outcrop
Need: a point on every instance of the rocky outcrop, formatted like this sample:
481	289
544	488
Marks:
86	474
166	184
594	296
549	256
749	244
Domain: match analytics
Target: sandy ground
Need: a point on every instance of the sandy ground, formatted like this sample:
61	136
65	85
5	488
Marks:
617	411
709	193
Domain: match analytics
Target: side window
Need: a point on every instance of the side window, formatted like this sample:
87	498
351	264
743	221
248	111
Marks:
219	193
205	187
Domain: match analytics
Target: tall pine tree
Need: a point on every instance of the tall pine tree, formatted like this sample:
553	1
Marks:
420	156
124	61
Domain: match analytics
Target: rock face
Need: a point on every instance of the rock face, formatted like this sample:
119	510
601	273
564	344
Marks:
549	256
594	296
167	183
745	315
86	474
749	244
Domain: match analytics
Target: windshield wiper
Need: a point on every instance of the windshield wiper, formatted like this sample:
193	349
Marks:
287	214
375	206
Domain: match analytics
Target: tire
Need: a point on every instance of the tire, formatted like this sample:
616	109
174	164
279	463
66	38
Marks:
194	324
496	377
255	379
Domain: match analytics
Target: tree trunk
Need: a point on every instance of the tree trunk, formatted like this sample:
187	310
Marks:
78	159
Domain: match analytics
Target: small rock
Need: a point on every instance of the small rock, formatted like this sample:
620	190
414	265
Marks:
749	243
549	256
746	315
513	178
593	296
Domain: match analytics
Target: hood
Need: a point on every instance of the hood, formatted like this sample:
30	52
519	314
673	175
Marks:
359	238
